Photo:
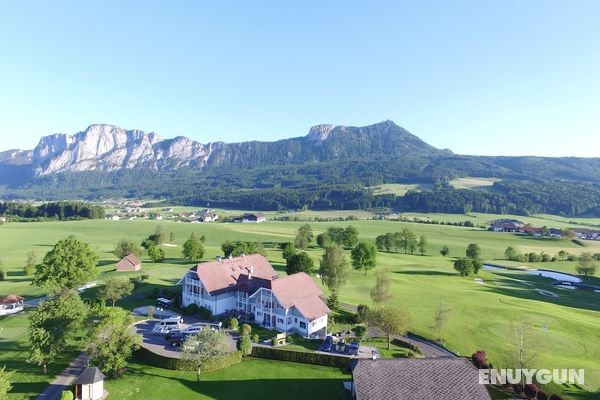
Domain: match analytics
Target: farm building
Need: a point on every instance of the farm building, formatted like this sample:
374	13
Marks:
129	263
251	218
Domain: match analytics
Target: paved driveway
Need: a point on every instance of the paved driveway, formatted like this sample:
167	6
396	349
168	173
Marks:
159	345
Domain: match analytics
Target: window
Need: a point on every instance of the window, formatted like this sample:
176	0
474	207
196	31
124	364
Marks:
302	325
280	320
296	320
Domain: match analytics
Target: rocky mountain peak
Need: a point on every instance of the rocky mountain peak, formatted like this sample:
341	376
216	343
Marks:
320	132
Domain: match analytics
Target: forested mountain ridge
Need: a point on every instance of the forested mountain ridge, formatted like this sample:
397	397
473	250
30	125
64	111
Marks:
331	167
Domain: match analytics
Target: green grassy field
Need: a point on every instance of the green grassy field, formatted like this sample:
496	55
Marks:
470	182
253	379
399	189
566	328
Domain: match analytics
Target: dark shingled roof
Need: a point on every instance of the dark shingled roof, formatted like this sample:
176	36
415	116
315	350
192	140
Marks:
88	376
417	379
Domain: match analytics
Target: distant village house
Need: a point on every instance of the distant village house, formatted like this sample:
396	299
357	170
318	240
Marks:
251	218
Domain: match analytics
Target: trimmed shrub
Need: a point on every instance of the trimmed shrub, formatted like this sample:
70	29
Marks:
150	311
255	338
205	313
328	360
233	324
401	343
362	313
480	360
191	309
245	345
29	270
245	330
66	395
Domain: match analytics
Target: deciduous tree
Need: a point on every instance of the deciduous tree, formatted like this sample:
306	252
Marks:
464	266
392	321
156	254
111	342
299	262
587	265
334	269
364	257
304	237
126	246
68	265
422	245
115	289
380	294
445	251
52	324
204	347
30	263
193	249
473	251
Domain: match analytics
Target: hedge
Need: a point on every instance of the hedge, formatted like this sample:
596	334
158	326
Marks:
328	360
407	345
161	361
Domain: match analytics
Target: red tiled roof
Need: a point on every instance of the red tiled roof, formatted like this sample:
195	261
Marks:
217	276
129	262
10	299
300	291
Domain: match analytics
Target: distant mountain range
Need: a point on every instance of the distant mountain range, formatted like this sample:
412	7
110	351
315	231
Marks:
331	167
110	148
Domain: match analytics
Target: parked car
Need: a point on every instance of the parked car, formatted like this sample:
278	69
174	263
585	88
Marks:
172	333
327	344
193	329
178	339
162	327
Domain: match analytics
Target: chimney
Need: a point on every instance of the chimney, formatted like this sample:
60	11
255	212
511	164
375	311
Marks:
243	255
218	259
252	269
250	276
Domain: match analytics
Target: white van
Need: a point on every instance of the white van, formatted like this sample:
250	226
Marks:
166	325
193	329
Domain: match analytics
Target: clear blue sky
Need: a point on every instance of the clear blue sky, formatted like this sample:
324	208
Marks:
479	77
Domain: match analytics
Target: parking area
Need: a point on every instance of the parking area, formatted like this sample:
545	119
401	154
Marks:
159	345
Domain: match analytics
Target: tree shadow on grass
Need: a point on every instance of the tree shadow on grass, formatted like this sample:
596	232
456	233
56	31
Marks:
256	389
426	272
578	298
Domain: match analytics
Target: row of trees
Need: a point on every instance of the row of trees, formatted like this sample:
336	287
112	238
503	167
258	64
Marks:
587	262
405	240
62	210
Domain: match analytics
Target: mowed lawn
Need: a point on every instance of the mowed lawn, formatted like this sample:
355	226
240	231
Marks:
253	379
566	329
